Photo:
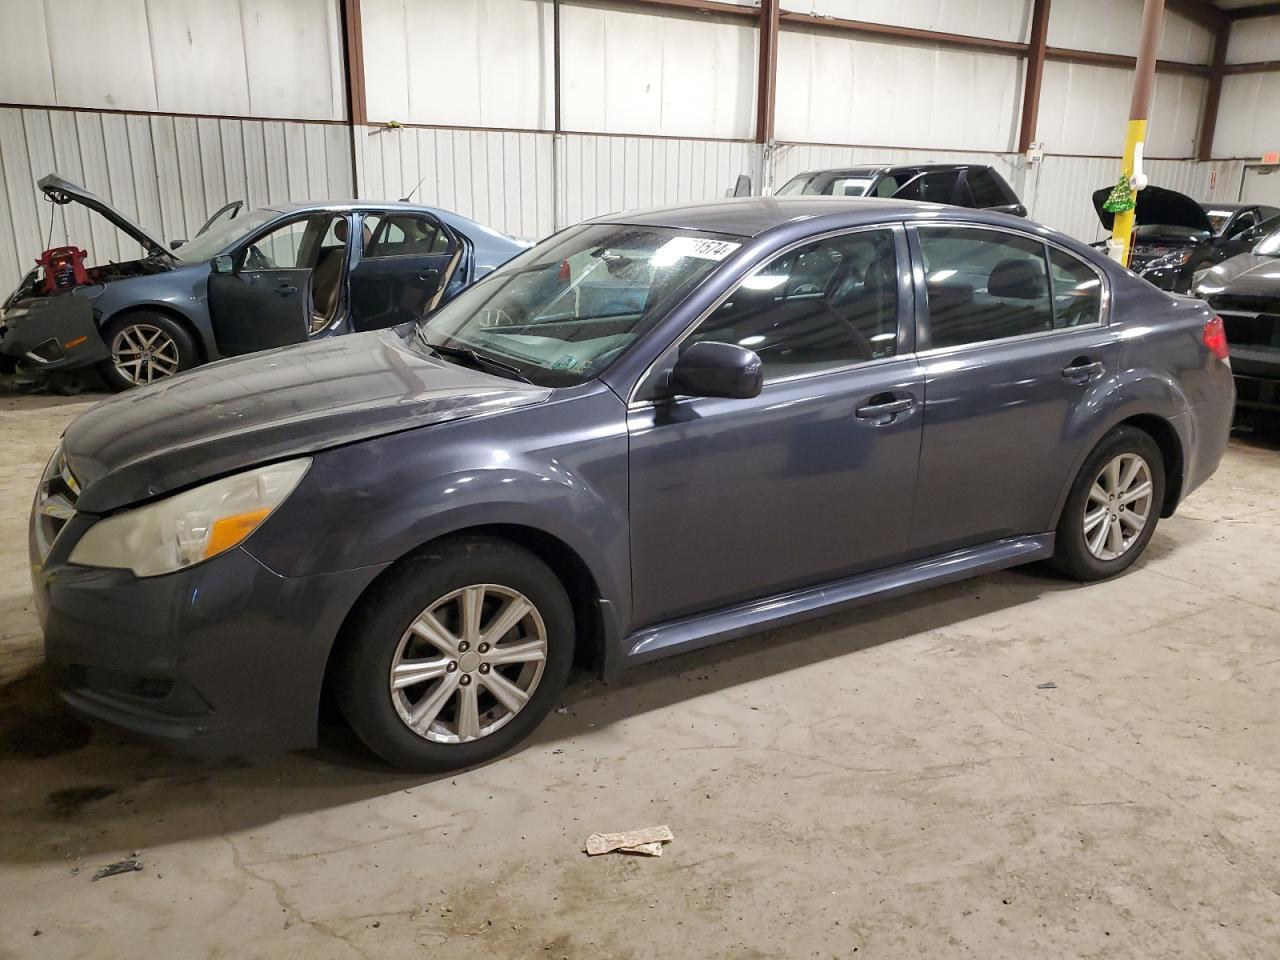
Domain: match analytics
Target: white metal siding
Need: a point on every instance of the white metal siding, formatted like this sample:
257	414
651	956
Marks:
1254	40
167	173
834	89
281	58
1114	26
1249	116
998	19
630	72
1084	109
462	62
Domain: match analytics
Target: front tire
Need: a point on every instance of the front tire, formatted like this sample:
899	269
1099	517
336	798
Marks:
145	347
1113	507
456	656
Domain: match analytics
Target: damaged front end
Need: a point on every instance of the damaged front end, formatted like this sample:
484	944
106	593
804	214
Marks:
45	332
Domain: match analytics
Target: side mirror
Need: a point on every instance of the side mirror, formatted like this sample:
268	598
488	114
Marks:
710	369
175	244
223	264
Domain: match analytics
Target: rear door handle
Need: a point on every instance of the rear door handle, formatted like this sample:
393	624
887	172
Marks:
1082	370
885	409
284	291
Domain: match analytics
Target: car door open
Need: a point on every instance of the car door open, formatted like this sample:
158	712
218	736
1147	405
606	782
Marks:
264	294
407	259
817	472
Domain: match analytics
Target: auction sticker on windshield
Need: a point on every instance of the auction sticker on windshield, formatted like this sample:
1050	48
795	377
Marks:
700	247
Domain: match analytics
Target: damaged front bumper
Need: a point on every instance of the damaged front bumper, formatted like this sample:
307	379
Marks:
51	333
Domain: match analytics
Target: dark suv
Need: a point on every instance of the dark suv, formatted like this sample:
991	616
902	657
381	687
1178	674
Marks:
959	184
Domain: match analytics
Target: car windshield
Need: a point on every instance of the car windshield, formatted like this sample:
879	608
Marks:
1268	238
222	235
826	184
1218	219
560	313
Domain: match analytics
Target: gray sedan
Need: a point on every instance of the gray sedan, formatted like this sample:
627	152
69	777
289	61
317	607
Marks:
650	433
281	274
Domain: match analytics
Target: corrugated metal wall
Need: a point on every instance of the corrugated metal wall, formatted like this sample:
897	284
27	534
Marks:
264	58
508	181
167	173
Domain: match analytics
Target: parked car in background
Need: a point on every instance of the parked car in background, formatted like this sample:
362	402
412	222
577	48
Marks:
1176	237
251	280
653	432
960	184
1245	291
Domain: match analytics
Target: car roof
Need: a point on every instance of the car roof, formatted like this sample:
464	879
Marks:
752	216
294	206
870	168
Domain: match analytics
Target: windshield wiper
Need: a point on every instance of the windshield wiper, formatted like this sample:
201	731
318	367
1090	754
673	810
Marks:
476	359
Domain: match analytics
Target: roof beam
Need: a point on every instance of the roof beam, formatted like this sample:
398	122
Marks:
1258	66
886	31
1261	10
1095	59
1201	11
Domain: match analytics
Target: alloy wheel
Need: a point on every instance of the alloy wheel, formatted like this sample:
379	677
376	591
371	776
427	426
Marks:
143	353
468	663
1119	505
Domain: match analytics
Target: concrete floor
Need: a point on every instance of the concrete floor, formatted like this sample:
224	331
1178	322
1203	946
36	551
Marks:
886	784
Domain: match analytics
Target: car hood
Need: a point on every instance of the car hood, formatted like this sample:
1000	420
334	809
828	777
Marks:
1245	275
1168	208
283	403
64	191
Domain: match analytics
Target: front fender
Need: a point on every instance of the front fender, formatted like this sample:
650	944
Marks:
559	469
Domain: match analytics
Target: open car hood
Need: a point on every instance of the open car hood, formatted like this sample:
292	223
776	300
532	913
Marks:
64	191
1168	208
1157	205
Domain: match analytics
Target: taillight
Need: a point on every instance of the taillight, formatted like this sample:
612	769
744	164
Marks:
1215	338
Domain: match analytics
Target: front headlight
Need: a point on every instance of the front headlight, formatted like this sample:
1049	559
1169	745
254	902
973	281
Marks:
189	527
1176	259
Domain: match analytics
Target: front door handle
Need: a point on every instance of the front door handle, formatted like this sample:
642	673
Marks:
883	411
1082	370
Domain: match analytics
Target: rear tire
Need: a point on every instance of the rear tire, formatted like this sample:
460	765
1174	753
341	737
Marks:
1113	507
145	347
477	672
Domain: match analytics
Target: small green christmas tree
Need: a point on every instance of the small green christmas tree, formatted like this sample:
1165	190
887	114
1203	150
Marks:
1122	197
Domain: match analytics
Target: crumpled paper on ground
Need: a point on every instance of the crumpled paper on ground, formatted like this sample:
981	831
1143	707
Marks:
646	842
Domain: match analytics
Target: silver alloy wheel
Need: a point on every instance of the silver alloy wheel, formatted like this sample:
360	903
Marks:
143	353
468	663
1119	504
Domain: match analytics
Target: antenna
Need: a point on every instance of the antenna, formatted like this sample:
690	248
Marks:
405	198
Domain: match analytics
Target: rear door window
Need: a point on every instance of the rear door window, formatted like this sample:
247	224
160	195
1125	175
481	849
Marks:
984	285
987	189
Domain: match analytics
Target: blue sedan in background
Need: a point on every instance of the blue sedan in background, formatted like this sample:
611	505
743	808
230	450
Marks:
281	274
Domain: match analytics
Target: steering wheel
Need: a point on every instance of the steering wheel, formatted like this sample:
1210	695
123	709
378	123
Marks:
255	259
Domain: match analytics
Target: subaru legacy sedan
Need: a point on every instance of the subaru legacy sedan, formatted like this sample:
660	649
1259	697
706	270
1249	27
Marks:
649	433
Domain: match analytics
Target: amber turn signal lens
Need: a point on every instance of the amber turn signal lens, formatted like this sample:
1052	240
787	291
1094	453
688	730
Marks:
229	531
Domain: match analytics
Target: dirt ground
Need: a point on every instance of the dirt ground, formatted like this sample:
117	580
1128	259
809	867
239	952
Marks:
891	783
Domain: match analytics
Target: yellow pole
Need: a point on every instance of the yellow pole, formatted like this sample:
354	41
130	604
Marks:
1139	110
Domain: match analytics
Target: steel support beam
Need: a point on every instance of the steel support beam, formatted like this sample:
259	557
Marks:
1213	94
767	75
1035	75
